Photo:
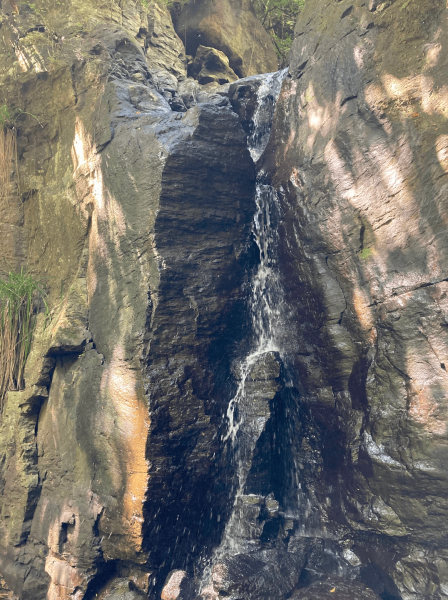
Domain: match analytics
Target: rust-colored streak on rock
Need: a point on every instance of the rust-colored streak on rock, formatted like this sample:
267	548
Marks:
119	384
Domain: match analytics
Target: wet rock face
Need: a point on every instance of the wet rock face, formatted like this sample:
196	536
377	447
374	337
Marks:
335	588
358	150
256	576
230	26
124	463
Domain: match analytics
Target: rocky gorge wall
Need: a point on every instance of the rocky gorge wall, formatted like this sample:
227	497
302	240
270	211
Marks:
134	213
134	200
358	149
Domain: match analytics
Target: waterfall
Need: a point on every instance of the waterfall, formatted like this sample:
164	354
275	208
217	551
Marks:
267	95
249	411
266	297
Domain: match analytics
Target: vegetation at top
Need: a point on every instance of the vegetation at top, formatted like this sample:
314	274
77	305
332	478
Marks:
279	17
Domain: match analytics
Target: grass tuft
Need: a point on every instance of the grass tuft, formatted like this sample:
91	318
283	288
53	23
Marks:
18	297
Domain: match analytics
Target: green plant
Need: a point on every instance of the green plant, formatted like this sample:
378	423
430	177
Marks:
366	253
5	117
279	17
18	297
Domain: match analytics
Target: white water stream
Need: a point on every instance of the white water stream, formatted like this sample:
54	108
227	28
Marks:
266	297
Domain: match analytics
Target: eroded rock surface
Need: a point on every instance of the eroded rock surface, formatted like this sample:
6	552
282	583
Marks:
256	576
125	468
336	589
211	65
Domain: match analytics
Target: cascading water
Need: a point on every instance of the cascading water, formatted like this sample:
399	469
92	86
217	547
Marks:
266	298
248	411
267	95
271	520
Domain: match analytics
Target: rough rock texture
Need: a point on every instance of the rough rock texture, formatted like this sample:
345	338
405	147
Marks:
359	150
132	200
135	216
230	26
243	97
334	589
163	48
178	586
211	65
256	576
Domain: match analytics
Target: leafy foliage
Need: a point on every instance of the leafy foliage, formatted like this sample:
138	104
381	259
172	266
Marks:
279	17
17	321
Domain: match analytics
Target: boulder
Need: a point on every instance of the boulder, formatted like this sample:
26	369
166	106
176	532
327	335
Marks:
211	65
178	586
335	588
257	576
230	26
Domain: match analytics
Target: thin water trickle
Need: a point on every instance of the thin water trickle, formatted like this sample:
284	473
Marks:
248	411
265	302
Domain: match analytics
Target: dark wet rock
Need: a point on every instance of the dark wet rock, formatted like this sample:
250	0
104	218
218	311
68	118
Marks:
177	104
230	26
254	99
335	588
243	96
257	576
211	66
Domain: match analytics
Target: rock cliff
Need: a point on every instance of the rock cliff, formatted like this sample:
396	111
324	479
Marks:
358	150
240	390
134	213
